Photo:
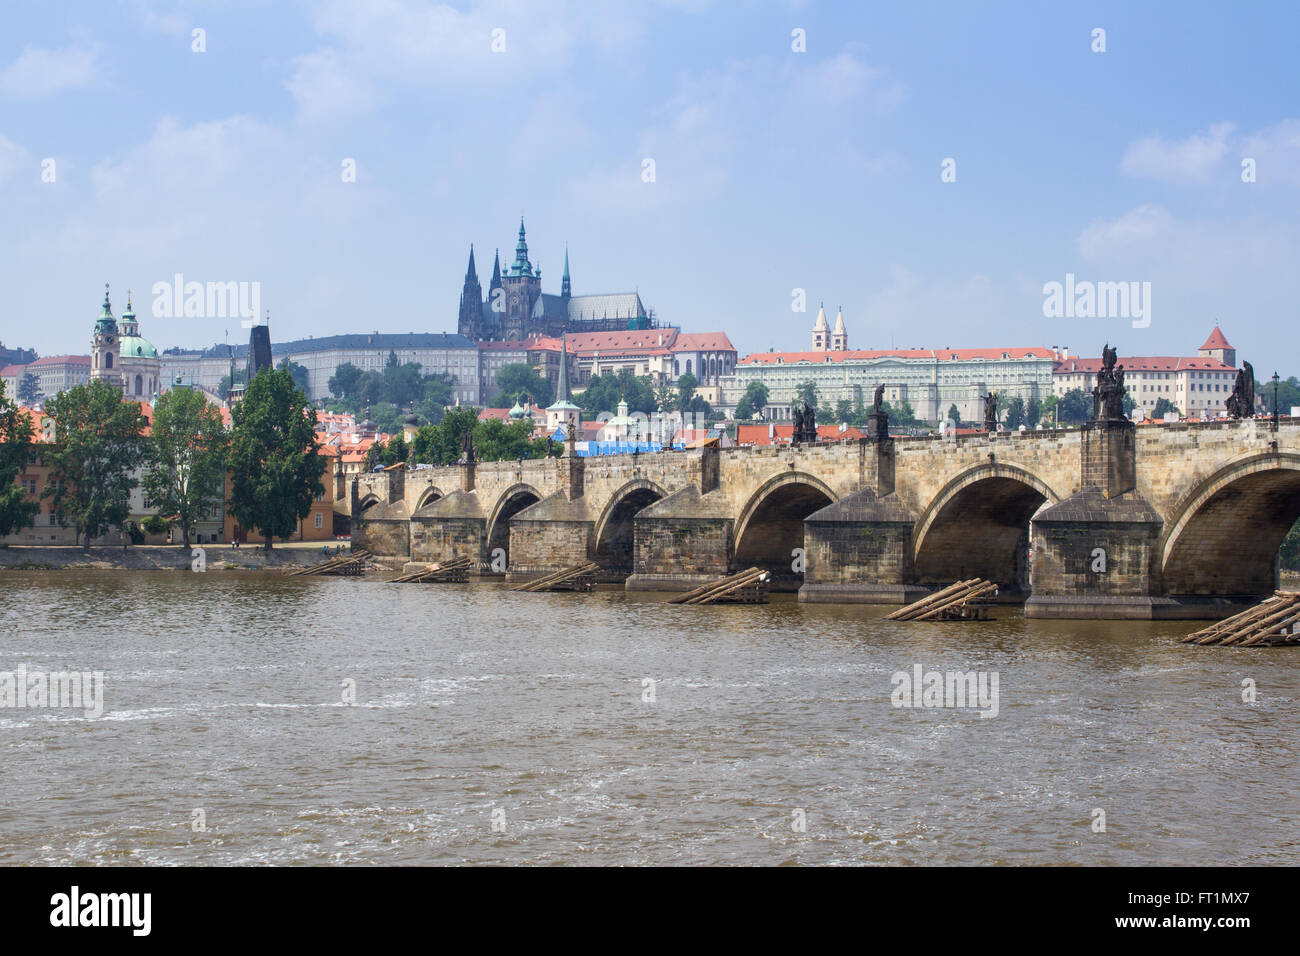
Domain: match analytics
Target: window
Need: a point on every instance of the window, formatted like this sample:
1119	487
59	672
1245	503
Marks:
320	520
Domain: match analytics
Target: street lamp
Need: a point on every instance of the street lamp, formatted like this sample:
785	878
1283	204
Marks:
1275	401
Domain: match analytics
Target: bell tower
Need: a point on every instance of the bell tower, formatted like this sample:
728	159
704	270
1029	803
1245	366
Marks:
106	347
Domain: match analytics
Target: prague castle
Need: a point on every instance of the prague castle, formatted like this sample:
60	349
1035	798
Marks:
515	307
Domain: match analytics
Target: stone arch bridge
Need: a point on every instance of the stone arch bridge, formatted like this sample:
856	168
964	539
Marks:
1111	520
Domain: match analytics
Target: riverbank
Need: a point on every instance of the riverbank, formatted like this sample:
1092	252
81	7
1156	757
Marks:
155	558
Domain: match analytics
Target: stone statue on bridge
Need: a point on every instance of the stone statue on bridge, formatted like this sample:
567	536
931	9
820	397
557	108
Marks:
805	424
991	412
467	446
1241	403
1108	393
879	398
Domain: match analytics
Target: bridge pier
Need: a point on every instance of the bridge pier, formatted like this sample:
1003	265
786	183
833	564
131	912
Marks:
681	541
858	551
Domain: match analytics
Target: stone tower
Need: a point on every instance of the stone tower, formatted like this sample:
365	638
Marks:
522	285
105	347
840	336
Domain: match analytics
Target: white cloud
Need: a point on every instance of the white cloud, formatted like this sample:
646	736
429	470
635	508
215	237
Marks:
1138	228
41	72
12	158
1276	152
846	77
1195	159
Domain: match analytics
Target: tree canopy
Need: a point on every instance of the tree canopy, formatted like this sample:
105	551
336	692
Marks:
99	441
16	511
275	465
185	458
520	378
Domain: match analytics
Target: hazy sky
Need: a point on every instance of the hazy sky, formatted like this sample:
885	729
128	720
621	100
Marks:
774	170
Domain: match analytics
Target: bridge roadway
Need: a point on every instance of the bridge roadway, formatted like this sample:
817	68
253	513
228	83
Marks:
1111	520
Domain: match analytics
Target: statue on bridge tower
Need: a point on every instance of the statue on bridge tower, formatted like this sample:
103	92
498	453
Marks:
1241	403
1108	393
991	412
878	420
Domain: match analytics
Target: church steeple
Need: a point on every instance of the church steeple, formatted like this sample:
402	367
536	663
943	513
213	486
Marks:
496	273
521	266
565	289
471	302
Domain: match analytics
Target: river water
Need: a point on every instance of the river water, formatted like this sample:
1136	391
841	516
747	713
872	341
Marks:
490	727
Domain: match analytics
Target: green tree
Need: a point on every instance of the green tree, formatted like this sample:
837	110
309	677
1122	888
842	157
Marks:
1074	406
806	392
299	372
603	393
954	415
185	458
520	377
223	387
1047	410
343	382
1015	413
16	512
387	417
1033	413
1163	407
395	450
1127	404
665	397
274	461
1288	394
844	410
99	442
29	389
686	386
752	402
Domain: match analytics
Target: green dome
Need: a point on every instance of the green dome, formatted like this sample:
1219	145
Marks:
137	347
517	411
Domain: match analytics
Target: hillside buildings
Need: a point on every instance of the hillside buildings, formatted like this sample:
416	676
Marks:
1198	386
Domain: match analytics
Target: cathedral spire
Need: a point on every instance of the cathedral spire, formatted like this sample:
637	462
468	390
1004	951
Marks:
471	271
565	289
521	265
496	272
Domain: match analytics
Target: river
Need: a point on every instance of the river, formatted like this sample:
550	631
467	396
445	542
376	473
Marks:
607	728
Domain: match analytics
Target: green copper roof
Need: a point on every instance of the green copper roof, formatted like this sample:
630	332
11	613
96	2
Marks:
106	322
521	266
134	345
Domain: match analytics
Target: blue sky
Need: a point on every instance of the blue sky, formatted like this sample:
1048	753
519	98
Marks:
775	170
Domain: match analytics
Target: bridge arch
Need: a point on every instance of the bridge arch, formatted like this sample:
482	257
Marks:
978	526
510	502
770	525
1222	537
366	503
428	496
613	534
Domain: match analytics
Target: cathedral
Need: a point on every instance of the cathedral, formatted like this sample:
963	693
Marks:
515	307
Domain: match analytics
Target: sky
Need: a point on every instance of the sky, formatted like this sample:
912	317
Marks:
927	167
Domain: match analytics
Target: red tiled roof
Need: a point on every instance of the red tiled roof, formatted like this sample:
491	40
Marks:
758	434
1144	363
940	355
702	342
10	371
1216	340
622	341
62	360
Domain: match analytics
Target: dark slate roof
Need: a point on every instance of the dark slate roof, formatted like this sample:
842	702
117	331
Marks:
356	340
1090	505
864	506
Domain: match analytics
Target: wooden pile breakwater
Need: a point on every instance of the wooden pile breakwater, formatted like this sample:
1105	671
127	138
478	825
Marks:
968	600
453	571
581	577
352	564
746	587
1271	623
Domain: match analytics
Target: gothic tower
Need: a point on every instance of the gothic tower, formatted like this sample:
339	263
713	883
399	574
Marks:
105	347
522	286
566	290
471	303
